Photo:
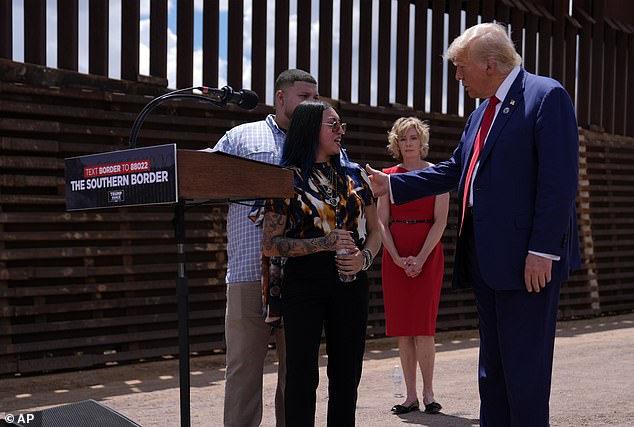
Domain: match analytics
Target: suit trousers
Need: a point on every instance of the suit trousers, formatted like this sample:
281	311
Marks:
517	336
313	299
247	338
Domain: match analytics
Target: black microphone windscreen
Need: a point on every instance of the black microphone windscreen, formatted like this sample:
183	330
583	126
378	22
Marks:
249	99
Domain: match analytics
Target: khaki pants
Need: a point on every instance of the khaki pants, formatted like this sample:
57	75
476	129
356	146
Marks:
247	337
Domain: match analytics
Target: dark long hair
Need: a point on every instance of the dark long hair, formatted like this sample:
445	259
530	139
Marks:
302	139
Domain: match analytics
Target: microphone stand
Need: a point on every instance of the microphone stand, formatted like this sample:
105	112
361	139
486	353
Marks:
182	291
176	94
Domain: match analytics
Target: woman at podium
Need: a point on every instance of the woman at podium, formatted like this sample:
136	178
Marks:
329	233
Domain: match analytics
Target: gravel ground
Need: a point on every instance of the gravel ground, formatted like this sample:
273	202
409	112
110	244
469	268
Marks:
593	383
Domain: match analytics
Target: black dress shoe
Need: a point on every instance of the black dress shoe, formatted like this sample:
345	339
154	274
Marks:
433	408
400	409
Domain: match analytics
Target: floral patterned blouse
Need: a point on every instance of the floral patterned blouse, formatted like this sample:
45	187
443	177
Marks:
329	200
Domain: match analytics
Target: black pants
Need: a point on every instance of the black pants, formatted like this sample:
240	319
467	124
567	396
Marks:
313	299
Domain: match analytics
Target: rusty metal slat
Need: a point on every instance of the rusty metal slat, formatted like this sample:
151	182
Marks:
23	163
185	43
90	235
158	38
67	34
303	34
452	84
281	35
402	52
571	60
545	30
6	29
502	13
530	7
48	364
365	52
597	85
211	286
560	10
65	111
258	50
530	43
517	24
420	53
100	251
608	81
471	19
107	322
345	51
211	16
35	32
620	102
584	69
28	144
23	181
488	10
235	44
383	71
438	12
544	11
9	199
68	272
629	130
98	17
43	126
54	77
24	125
54	113
90	341
325	48
111	216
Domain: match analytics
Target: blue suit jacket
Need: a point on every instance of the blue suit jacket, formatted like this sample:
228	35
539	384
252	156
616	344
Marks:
525	187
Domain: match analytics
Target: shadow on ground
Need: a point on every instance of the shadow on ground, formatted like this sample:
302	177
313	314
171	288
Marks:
25	392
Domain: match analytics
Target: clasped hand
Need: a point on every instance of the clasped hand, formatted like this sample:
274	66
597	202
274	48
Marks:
411	264
352	262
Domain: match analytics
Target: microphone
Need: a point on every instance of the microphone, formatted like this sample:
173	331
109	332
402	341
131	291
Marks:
243	98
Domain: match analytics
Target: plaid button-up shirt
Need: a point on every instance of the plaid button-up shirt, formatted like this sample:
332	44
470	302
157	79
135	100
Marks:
262	141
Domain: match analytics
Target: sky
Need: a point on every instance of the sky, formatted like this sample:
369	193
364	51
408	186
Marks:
115	43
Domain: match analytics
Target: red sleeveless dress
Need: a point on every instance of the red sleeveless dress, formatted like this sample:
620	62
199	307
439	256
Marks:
411	304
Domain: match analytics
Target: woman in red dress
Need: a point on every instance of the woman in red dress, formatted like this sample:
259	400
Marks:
413	265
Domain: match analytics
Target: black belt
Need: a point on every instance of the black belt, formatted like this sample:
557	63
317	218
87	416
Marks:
412	221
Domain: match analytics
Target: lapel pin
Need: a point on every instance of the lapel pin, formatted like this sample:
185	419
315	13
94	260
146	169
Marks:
512	102
506	110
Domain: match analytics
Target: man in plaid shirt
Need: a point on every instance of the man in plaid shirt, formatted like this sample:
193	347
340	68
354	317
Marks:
246	333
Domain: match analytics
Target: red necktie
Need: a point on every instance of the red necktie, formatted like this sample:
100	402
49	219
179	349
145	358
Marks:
489	113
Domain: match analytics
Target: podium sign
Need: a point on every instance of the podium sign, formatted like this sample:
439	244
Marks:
140	176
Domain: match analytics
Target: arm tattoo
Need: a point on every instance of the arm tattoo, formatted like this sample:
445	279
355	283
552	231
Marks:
299	247
274	241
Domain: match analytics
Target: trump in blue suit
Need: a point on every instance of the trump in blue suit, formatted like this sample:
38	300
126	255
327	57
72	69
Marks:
518	234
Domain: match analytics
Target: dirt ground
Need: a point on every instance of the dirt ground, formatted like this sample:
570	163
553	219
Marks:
593	383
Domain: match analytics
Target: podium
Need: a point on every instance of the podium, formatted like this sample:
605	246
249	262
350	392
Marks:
166	175
207	175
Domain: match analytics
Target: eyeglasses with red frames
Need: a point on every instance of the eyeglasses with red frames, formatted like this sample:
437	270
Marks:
336	126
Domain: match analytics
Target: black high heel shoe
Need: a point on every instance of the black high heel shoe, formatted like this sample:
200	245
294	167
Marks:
400	409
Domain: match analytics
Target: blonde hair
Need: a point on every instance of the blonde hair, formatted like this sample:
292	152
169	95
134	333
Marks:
486	41
398	131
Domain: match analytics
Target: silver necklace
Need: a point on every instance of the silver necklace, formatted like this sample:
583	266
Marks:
328	188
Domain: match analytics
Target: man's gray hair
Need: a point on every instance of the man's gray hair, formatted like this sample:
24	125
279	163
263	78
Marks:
486	41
